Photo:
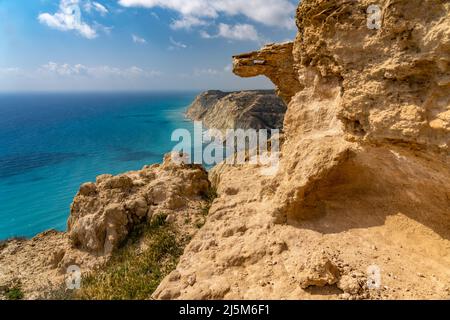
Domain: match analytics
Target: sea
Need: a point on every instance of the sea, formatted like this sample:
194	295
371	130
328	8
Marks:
51	143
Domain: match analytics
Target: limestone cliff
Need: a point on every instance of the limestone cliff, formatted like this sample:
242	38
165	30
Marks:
362	187
364	178
238	110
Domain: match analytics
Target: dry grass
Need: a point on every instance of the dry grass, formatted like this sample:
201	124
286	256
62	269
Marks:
136	269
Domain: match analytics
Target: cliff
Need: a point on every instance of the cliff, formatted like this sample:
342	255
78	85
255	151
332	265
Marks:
238	110
104	214
359	207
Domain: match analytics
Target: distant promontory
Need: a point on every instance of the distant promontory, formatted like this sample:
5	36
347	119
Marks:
257	109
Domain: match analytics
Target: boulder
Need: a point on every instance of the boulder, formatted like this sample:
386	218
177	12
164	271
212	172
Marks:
104	213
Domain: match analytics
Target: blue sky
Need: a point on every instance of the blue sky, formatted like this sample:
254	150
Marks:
61	45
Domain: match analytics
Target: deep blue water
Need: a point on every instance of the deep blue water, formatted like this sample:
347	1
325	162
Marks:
52	143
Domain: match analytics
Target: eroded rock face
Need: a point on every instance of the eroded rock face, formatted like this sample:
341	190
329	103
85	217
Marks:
364	171
238	110
394	81
38	266
274	61
104	212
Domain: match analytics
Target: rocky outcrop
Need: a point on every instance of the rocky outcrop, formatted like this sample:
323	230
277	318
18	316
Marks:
274	61
394	82
103	213
359	205
364	172
238	110
38	266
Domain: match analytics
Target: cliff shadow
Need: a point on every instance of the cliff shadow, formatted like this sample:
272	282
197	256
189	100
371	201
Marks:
377	183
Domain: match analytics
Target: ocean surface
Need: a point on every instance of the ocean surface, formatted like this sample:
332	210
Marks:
52	143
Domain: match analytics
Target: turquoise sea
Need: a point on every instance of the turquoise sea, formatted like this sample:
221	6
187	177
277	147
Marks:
52	143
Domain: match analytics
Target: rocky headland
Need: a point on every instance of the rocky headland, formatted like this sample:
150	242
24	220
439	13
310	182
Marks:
257	109
359	206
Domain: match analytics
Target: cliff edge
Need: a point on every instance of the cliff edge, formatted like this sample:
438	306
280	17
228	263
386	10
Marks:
104	215
258	109
359	208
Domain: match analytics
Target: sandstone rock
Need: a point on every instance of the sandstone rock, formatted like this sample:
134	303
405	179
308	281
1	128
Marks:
88	189
118	182
351	284
139	205
238	110
319	271
274	61
102	215
100	222
365	161
40	264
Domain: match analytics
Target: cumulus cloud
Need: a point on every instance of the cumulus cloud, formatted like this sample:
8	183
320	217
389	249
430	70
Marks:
234	32
69	70
68	18
137	39
197	12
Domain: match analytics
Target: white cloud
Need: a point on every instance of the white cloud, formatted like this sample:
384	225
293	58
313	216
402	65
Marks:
100	8
68	70
205	35
176	44
68	18
234	32
206	72
89	6
187	22
154	15
10	72
268	12
63	69
137	39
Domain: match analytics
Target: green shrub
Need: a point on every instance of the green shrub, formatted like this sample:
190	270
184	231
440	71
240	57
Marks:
14	293
136	269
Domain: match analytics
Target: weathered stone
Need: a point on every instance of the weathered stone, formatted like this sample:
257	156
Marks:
99	223
238	110
319	271
364	161
88	189
274	61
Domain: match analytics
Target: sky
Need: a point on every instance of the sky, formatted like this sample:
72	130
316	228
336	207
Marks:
110	45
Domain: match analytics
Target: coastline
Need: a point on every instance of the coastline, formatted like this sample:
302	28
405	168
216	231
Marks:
70	173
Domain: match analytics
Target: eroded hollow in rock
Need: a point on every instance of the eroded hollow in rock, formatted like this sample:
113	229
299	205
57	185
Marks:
371	185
